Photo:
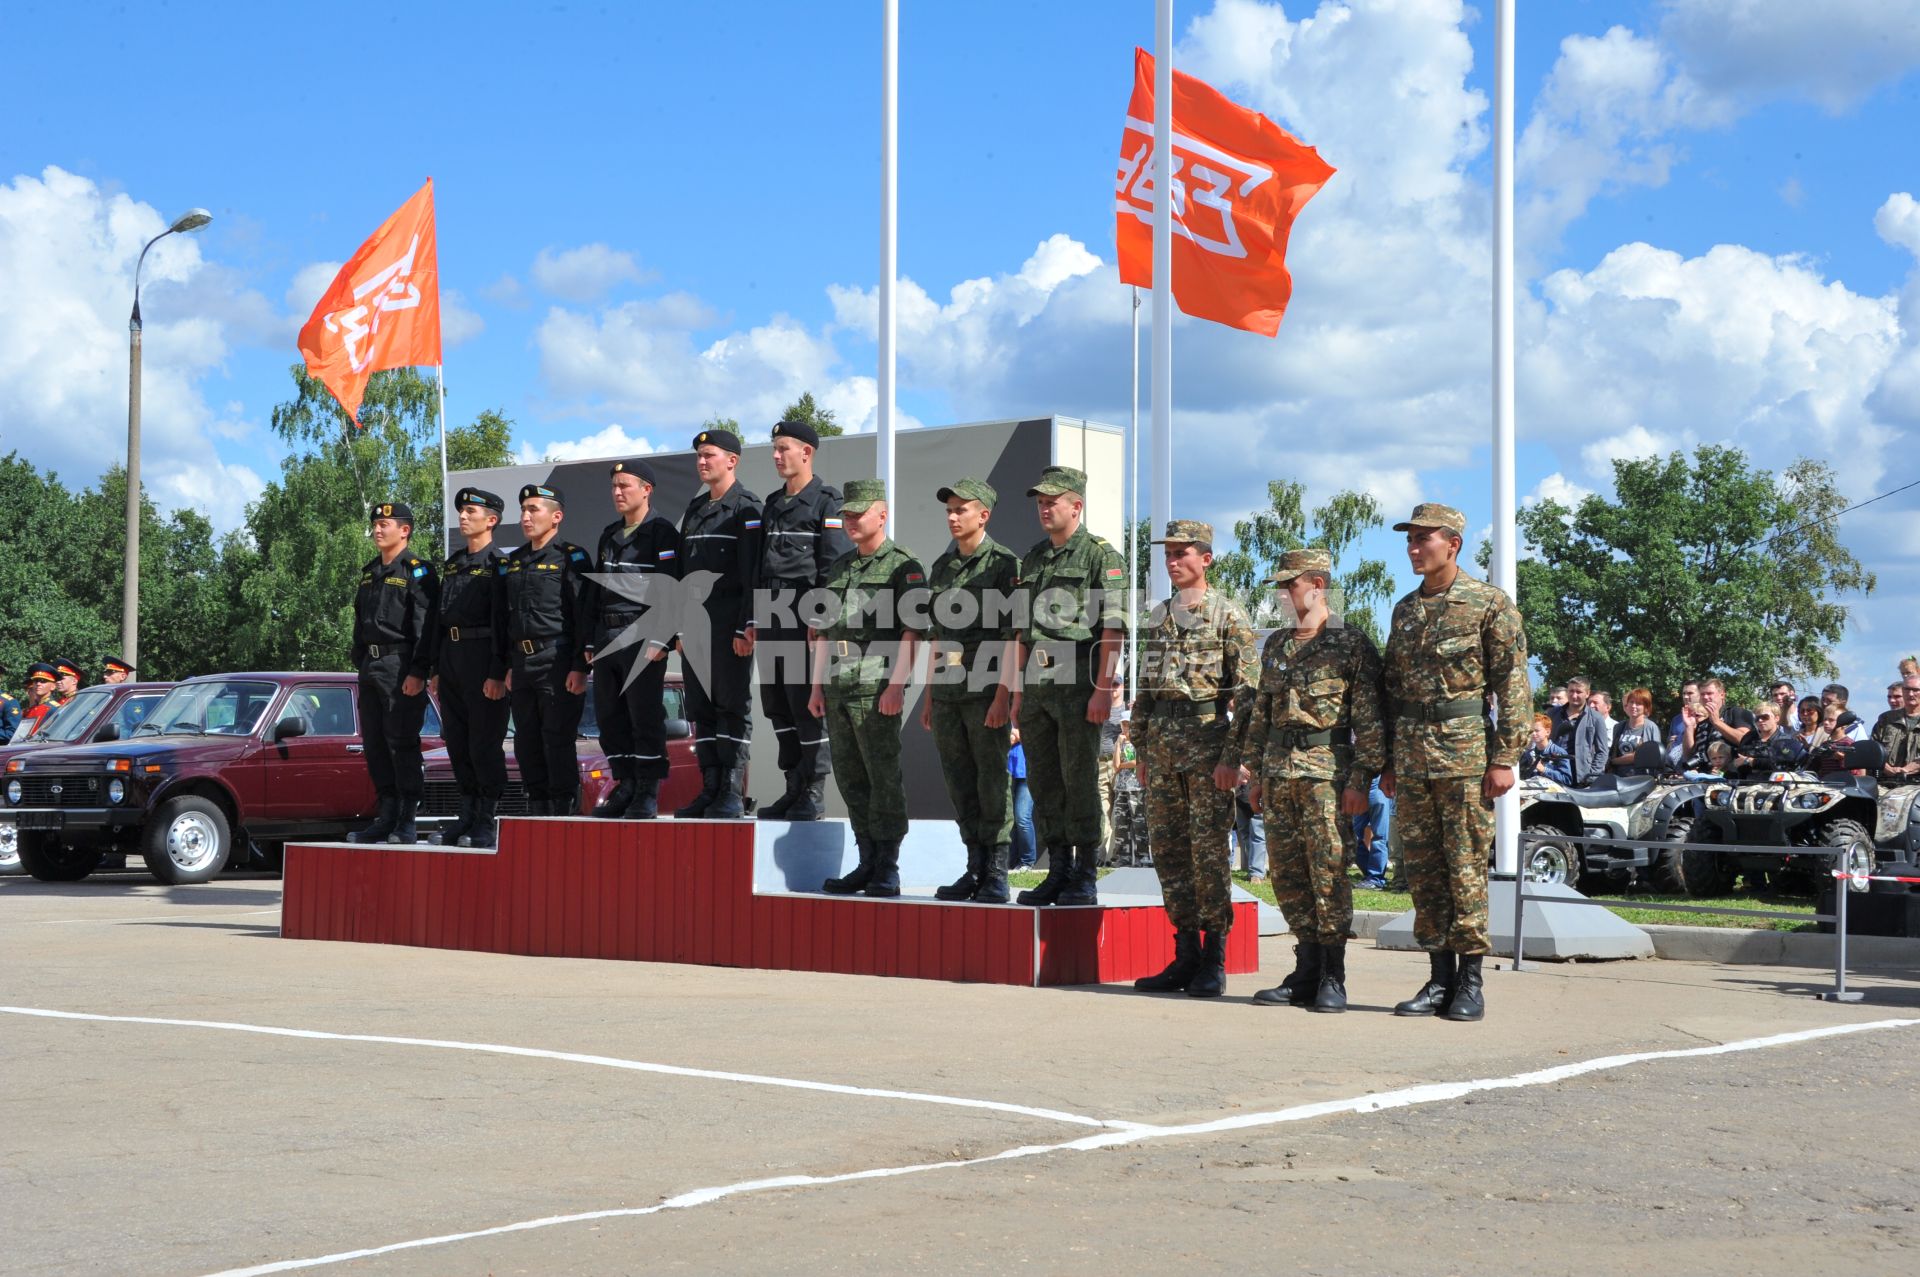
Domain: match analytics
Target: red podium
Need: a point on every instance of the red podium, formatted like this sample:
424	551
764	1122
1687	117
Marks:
712	893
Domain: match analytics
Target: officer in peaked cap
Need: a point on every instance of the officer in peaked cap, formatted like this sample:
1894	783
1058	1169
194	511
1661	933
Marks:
720	534
117	669
39	700
801	535
630	630
470	667
66	680
547	637
395	626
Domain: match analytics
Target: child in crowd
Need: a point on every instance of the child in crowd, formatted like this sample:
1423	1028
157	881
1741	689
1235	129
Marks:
1543	757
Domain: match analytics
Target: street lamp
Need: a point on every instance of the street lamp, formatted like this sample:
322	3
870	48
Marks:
191	220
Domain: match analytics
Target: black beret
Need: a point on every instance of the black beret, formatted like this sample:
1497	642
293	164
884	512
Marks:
725	440
797	430
481	497
542	490
118	663
634	466
396	510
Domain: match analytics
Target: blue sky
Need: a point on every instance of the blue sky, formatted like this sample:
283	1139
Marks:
651	213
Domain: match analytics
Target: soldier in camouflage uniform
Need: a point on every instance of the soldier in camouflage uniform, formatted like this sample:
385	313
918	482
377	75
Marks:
1074	586
1455	649
1196	669
970	697
1314	741
862	660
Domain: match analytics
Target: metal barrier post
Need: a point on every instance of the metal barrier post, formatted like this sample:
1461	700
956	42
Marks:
1842	888
1520	911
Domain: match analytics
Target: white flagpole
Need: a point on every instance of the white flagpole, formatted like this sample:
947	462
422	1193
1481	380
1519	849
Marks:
1507	809
446	498
1162	465
1133	514
889	246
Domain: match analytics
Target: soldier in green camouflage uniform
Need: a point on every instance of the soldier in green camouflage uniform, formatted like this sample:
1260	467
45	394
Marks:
970	695
1314	742
1074	585
863	658
1455	649
1196	667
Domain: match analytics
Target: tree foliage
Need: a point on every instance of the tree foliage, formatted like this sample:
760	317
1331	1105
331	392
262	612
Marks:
1286	524
821	419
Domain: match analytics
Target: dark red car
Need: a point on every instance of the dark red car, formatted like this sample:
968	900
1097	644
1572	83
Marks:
106	711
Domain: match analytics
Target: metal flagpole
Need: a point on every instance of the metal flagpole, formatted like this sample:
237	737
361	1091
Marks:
446	498
1133	515
1507	808
1162	465
889	247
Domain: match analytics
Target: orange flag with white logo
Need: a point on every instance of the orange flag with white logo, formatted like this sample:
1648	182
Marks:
383	308
1239	179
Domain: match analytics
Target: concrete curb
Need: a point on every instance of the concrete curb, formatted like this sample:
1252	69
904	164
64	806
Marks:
1738	946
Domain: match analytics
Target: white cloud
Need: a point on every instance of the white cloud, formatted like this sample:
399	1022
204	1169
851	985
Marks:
1558	488
309	284
1898	222
585	273
1834	52
614	441
1897	397
506	291
457	323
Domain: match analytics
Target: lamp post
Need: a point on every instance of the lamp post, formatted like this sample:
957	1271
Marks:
191	220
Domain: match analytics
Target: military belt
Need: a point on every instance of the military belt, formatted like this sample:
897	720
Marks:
461	633
530	646
1441	711
1191	709
1303	738
1048	652
377	650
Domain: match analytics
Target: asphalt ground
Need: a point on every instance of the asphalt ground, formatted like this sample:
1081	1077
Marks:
633	1114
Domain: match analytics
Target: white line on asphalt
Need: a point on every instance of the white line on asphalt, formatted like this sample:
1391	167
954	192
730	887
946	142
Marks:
1373	1103
572	1057
122	922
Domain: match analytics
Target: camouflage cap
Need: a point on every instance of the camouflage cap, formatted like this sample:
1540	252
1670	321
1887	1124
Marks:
1294	562
861	493
1055	480
1431	514
1186	532
970	489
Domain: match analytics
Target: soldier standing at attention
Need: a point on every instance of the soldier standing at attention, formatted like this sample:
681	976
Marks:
38	703
970	697
1456	647
118	670
1074	584
546	643
395	624
862	661
1196	667
631	703
720	533
1314	742
66	681
801	537
470	668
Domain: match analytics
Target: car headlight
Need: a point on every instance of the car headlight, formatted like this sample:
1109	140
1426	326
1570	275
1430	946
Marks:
116	790
1812	801
1719	797
14	791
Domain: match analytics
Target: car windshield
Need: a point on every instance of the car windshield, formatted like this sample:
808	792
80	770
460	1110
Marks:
227	707
72	721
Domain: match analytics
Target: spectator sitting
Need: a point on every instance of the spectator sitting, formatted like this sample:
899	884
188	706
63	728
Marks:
1898	732
1640	729
1543	757
1710	719
1910	667
1769	747
1719	756
1812	735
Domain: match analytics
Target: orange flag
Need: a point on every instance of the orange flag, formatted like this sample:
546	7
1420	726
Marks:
383	308
1238	181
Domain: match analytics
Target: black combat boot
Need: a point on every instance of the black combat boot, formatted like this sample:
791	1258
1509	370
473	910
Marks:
450	835
856	881
1210	979
566	804
1436	992
404	832
884	880
539	806
963	887
1059	869
728	801
811	803
1469	997
383	820
709	790
993	881
616	801
1175	975
779	807
1299	988
1332	994
1081	888
485	827
646	800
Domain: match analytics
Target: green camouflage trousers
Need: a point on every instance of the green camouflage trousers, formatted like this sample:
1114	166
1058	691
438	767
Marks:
1306	858
1063	766
973	759
1443	832
1188	821
866	763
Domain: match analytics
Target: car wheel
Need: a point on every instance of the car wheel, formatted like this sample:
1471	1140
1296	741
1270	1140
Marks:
10	852
1701	873
187	840
1666	867
1556	861
42	856
1855	843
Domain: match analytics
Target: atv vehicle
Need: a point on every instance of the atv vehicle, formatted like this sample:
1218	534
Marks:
1837	811
1650	808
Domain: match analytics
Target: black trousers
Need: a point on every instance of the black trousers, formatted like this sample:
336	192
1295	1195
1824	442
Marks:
784	663
475	728
546	726
390	724
633	715
719	713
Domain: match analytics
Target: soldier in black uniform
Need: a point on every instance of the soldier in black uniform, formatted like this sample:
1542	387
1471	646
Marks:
470	668
394	627
627	642
546	643
720	533
801	536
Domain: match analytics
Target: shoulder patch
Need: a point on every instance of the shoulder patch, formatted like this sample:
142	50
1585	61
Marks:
833	522
419	571
751	524
577	554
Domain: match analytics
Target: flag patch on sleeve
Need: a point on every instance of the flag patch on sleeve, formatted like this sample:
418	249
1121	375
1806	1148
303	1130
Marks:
1114	574
751	524
666	554
913	577
829	523
419	572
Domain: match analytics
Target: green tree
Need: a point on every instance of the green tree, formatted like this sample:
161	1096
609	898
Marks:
51	598
1696	565
1286	524
728	424
805	409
